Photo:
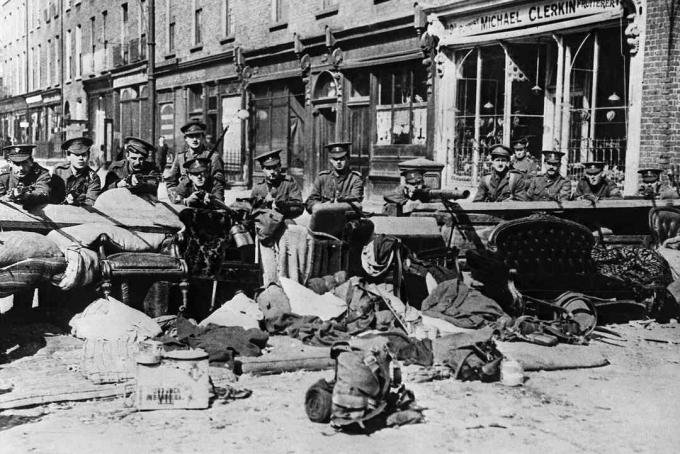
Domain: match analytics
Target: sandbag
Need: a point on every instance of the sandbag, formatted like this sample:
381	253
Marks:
110	319
114	199
123	239
29	273
81	269
304	301
17	246
239	311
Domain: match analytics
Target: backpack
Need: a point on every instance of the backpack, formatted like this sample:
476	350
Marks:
362	384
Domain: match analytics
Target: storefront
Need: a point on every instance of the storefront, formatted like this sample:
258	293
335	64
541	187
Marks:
101	103
211	94
44	124
557	73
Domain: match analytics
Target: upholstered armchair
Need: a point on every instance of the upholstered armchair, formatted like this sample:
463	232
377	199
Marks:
664	223
121	266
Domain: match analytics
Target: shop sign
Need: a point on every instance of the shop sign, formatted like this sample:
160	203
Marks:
531	14
34	99
51	99
23	124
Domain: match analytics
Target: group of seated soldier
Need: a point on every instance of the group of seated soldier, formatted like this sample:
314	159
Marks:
74	182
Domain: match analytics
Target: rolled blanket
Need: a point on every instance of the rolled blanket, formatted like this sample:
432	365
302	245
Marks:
319	401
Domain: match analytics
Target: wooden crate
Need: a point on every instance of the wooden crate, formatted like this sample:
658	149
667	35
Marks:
179	381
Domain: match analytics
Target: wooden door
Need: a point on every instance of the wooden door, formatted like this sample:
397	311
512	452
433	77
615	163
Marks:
324	132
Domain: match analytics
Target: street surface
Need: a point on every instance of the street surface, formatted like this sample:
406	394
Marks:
630	406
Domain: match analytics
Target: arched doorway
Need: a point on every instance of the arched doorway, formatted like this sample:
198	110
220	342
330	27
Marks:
325	101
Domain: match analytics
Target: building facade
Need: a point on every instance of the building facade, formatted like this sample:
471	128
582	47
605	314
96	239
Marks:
576	76
597	79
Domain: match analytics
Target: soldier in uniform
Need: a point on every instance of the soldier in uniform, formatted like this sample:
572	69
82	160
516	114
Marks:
651	186
340	184
81	184
595	186
194	138
135	172
413	189
522	161
198	190
25	181
277	190
503	183
550	185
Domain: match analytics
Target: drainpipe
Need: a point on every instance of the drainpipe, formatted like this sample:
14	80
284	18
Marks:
151	65
62	132
28	115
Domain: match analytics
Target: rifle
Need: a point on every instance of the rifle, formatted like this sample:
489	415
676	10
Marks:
242	114
21	190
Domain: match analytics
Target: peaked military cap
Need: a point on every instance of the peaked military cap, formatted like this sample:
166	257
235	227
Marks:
194	127
338	149
520	141
650	175
552	156
500	150
269	158
413	176
593	168
137	145
77	145
18	153
197	165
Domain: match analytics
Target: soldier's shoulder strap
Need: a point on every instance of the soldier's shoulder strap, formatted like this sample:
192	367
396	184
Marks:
325	172
356	172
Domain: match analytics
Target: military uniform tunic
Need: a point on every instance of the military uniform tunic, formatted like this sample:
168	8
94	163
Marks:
544	188
498	187
285	192
329	186
37	180
527	166
604	190
120	170
84	185
186	188
178	172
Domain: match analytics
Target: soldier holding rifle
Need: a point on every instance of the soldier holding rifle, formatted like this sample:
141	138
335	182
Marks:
25	182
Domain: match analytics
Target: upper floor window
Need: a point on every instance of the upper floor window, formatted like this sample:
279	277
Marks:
227	19
279	11
198	18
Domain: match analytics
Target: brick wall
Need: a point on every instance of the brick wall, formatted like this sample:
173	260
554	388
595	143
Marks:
660	128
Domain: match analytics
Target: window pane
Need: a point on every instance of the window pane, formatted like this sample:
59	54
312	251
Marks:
527	108
385	82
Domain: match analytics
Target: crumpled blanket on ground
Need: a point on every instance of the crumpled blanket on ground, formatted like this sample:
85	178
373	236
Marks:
239	311
222	343
456	303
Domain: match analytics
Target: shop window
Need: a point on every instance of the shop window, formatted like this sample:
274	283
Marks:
515	90
278	122
359	86
401	110
195	100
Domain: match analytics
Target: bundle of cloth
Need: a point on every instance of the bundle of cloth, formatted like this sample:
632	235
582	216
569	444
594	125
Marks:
78	245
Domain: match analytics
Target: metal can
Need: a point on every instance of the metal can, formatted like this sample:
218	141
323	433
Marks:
241	235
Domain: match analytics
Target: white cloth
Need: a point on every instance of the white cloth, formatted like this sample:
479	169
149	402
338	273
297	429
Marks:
110	320
304	301
239	311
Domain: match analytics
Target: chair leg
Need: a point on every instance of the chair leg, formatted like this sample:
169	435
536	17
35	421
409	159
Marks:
184	289
106	288
125	292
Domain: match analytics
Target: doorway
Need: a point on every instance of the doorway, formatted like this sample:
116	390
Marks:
324	133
